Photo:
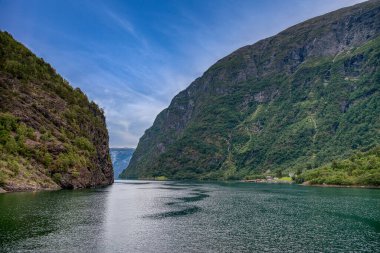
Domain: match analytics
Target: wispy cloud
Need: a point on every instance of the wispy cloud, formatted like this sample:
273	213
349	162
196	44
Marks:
122	22
142	88
133	60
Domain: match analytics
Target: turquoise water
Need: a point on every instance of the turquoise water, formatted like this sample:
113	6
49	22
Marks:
137	216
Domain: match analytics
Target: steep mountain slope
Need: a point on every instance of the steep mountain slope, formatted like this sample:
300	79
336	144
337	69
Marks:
51	136
120	159
290	102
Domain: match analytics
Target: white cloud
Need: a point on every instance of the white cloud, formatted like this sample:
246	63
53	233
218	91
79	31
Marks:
200	47
136	75
122	22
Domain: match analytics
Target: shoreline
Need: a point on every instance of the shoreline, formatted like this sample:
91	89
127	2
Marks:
265	181
4	191
19	190
15	190
309	184
341	186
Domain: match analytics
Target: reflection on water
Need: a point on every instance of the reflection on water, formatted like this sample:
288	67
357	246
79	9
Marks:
47	221
142	216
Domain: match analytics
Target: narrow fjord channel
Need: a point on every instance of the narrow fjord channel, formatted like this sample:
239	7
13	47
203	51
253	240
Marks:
143	216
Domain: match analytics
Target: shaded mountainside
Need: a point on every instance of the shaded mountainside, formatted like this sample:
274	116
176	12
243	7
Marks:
51	136
291	102
120	159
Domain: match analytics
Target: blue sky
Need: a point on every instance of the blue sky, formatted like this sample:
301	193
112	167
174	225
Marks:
133	57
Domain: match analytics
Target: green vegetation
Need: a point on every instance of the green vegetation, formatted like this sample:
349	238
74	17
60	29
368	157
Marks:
57	177
306	126
362	168
84	144
289	179
292	107
50	133
161	178
12	145
3	179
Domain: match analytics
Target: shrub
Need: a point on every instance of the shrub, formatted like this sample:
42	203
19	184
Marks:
3	179
14	166
46	136
369	179
84	144
22	129
75	173
161	178
254	176
65	161
11	145
47	159
57	177
4	136
8	122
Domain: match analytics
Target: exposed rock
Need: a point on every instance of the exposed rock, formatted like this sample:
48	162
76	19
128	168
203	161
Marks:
51	135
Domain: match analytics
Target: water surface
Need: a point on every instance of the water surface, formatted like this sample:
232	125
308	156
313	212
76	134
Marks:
142	216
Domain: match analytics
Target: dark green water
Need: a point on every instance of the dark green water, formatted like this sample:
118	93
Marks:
135	216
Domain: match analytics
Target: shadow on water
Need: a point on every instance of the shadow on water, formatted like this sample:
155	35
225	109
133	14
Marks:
194	196
165	188
172	188
181	184
372	223
183	212
132	183
200	190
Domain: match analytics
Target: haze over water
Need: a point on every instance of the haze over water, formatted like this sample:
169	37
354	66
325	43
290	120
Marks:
139	216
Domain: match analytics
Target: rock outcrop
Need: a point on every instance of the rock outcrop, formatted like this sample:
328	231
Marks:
51	135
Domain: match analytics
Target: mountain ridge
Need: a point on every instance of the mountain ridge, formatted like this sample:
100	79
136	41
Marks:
230	106
120	159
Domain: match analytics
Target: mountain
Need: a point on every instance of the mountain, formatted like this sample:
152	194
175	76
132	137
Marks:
120	159
288	103
51	135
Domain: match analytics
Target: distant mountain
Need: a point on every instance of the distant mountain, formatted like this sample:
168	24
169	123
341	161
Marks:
120	159
51	135
288	103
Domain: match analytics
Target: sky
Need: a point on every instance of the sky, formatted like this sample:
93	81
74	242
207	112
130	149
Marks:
132	57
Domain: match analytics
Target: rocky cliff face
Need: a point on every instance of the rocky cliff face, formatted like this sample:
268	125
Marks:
296	100
51	136
120	159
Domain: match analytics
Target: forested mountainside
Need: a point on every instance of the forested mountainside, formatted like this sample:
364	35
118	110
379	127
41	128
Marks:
292	102
120	159
51	136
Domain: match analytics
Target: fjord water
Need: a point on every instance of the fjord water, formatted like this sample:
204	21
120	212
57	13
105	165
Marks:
138	216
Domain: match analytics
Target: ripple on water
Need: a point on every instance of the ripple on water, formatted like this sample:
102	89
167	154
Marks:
208	217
